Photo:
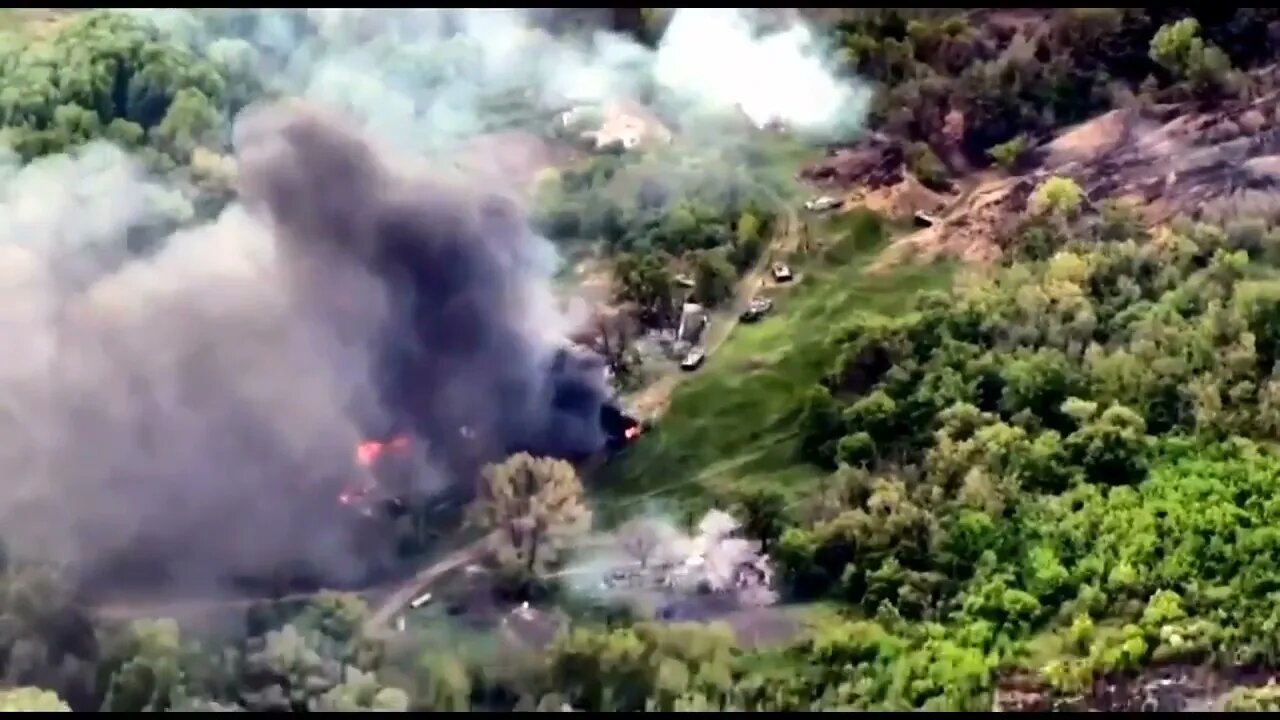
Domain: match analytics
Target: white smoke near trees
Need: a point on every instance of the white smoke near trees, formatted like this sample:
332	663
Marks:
714	54
425	78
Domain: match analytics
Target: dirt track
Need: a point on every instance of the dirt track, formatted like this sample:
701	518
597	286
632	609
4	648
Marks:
651	402
385	610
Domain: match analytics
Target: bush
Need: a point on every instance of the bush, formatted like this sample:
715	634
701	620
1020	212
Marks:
1008	154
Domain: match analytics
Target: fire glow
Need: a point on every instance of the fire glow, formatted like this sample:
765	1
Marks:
369	451
632	432
367	455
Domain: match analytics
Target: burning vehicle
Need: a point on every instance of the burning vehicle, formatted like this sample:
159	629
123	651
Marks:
384	468
463	374
350	336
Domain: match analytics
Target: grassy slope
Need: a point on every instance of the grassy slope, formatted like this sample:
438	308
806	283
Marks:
733	425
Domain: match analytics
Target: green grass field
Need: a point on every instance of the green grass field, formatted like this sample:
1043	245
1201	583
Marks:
733	424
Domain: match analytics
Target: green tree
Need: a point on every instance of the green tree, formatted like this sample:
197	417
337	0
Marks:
1178	48
764	514
108	74
1111	447
749	227
148	673
534	508
820	426
361	692
648	667
713	277
1253	699
645	280
441	684
749	242
48	641
190	122
284	672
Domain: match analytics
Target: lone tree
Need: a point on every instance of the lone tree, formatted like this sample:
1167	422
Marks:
644	538
764	514
534	508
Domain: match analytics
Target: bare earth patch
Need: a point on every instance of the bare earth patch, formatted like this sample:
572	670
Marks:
1168	160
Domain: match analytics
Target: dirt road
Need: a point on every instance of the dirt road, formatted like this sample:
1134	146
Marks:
398	599
651	402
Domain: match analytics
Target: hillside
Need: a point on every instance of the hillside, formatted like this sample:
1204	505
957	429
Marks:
734	424
1000	480
1165	161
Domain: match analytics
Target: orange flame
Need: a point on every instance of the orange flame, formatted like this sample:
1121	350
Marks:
368	452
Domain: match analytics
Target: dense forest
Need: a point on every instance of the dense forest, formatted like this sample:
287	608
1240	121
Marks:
1058	471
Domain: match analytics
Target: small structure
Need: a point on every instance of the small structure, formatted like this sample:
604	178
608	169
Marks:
693	321
781	272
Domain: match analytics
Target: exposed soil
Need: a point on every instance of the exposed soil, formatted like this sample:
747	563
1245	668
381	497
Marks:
1177	159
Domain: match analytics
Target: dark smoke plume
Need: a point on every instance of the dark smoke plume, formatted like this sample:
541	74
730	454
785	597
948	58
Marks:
199	408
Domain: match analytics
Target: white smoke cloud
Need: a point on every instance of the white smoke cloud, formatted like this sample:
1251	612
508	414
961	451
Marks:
714	54
424	80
